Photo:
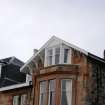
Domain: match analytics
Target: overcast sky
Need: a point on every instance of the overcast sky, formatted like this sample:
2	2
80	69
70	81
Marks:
28	24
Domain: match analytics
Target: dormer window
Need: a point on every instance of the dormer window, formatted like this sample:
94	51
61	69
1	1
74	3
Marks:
57	55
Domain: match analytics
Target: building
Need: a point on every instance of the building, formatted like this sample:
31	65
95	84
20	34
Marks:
10	72
17	94
15	86
64	74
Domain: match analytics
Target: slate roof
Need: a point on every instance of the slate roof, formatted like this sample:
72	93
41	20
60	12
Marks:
10	72
12	60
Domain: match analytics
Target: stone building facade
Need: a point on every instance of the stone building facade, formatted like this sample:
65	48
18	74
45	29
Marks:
20	96
63	74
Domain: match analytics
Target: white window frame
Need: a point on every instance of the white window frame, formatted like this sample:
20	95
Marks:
53	56
61	57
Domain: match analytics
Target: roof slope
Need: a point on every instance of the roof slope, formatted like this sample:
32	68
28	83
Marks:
96	58
10	72
12	60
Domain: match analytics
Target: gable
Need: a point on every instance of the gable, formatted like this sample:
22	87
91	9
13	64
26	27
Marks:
54	41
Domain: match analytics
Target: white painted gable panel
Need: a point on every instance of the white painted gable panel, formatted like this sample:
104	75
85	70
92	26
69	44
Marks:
53	43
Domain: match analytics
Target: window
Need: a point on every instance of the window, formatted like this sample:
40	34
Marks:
55	91
47	93
20	99
16	100
66	92
53	56
50	55
43	87
66	55
51	92
57	55
23	99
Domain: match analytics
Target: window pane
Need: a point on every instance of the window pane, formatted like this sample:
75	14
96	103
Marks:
65	55
49	60
52	86
57	51
43	86
43	92
57	59
23	99
66	92
16	100
57	55
50	54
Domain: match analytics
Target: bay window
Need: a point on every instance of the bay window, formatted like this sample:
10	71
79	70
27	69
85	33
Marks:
57	55
49	91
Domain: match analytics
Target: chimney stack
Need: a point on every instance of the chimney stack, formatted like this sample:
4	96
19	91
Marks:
104	54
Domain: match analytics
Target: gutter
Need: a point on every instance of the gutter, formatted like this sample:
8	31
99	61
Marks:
15	86
96	57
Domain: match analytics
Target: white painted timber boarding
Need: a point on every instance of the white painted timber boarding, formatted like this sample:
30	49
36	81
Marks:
53	43
28	78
